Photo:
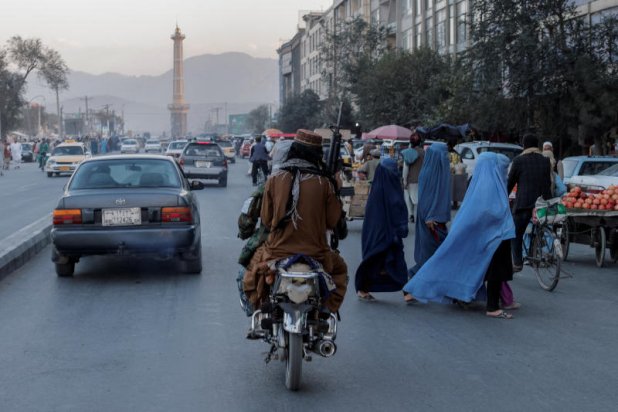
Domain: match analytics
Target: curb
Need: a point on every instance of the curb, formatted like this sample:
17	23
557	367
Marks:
18	248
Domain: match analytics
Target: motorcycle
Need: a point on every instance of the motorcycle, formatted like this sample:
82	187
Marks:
293	320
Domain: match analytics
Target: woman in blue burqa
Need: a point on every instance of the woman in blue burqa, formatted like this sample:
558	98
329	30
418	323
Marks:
434	205
477	247
383	268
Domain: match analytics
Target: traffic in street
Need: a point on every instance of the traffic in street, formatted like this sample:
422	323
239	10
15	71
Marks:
136	334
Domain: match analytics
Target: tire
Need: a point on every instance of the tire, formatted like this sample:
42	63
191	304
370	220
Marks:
600	244
546	262
49	174
65	270
223	181
565	240
294	361
192	266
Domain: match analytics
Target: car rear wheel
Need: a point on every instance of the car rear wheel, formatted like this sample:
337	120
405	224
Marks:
49	174
193	265
223	181
64	270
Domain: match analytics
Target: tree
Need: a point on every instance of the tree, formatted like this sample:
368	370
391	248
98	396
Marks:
346	48
300	112
259	118
26	56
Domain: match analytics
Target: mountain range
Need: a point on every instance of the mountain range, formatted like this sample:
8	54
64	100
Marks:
232	82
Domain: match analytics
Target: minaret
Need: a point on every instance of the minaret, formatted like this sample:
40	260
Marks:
178	108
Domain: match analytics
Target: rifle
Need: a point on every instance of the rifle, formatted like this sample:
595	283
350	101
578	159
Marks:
332	163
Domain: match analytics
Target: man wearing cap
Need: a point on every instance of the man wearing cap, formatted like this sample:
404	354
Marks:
412	164
368	169
299	206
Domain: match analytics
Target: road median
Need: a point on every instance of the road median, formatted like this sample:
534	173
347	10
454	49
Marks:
18	248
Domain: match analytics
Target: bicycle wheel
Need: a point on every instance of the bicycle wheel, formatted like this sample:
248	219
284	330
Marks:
599	246
547	261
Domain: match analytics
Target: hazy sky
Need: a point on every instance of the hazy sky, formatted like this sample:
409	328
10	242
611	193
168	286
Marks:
133	36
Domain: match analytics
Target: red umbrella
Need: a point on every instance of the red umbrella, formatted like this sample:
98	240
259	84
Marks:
389	132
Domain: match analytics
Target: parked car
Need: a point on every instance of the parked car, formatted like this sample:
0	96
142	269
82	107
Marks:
245	148
175	148
127	205
228	150
27	155
204	161
152	146
602	180
470	152
65	158
576	166
129	146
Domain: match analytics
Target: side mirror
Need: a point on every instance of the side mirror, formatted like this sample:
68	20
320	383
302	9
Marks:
196	185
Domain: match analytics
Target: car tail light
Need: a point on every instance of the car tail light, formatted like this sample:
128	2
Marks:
176	214
181	161
67	216
225	163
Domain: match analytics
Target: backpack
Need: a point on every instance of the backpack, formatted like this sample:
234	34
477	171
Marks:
250	214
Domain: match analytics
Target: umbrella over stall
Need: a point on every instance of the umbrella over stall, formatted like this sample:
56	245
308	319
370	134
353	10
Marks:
389	132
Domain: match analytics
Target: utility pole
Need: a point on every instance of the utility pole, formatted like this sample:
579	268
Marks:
87	114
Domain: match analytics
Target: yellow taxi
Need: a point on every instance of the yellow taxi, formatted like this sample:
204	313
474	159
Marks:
65	158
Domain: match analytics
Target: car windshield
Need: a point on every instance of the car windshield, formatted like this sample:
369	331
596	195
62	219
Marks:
610	171
177	145
26	146
130	142
109	174
68	151
153	142
509	152
594	167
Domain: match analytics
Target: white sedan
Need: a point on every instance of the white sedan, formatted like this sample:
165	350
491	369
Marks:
152	146
129	146
604	179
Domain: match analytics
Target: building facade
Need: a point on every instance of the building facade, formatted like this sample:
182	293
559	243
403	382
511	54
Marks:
442	25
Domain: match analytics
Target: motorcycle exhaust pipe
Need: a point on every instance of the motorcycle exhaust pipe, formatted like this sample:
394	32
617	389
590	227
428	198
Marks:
326	348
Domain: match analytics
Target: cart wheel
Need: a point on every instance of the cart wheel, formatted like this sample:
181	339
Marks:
599	246
565	240
613	253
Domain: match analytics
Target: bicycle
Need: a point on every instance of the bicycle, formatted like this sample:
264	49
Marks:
545	252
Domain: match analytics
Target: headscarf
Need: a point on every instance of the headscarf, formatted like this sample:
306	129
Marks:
434	201
280	152
457	269
385	224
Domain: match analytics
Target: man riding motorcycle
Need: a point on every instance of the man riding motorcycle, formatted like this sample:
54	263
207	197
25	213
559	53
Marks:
299	206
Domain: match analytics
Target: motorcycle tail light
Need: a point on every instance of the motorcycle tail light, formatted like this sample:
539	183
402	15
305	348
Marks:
67	216
176	214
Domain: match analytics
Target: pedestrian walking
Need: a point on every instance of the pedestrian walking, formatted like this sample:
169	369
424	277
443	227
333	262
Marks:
383	268
368	170
434	204
6	155
531	172
16	152
477	249
412	164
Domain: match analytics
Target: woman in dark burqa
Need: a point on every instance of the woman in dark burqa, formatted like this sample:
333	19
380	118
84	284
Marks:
383	268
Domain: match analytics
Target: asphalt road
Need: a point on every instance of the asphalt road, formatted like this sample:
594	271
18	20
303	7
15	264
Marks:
135	335
27	195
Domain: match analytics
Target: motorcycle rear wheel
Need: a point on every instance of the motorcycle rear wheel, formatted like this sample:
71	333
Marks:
294	361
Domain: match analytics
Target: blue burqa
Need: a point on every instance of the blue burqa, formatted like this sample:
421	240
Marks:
434	203
383	268
457	269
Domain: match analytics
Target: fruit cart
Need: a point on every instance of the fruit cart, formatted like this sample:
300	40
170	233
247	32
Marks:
589	225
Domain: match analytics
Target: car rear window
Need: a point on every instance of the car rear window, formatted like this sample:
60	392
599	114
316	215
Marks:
593	168
509	152
211	151
152	142
224	144
177	145
108	174
610	171
68	151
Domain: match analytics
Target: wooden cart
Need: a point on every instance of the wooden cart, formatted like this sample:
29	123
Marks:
355	199
599	229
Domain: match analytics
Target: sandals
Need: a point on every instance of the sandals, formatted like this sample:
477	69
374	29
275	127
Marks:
409	299
365	296
501	315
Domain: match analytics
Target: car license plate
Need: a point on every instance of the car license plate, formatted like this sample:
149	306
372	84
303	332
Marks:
122	217
64	168
203	164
